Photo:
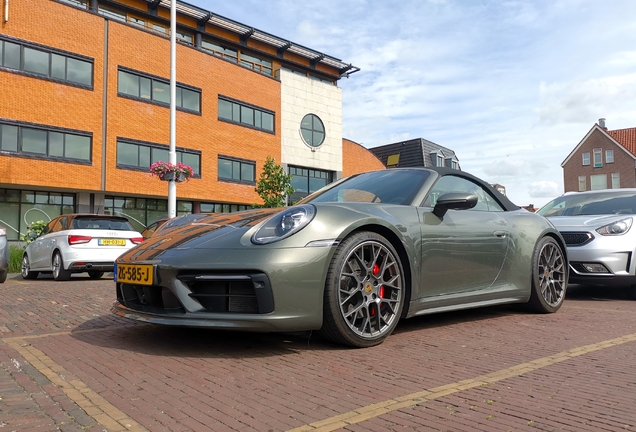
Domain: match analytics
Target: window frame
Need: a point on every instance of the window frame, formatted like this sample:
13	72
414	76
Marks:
49	51
48	130
152	100
179	150
582	183
585	158
616	180
238	105
609	156
598	157
313	130
242	163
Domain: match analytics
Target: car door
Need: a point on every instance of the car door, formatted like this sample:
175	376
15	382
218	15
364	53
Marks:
464	250
41	245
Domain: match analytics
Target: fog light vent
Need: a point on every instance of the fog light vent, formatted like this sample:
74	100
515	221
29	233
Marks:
595	268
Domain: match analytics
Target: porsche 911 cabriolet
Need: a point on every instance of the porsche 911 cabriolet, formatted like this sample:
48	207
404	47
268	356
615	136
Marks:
350	260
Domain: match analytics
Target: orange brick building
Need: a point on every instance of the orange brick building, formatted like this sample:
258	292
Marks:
85	110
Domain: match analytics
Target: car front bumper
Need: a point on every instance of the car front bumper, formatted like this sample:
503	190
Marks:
269	290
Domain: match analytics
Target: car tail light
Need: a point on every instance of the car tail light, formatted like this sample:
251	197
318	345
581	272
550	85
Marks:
78	239
137	240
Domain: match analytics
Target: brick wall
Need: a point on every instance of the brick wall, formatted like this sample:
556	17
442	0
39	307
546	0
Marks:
357	159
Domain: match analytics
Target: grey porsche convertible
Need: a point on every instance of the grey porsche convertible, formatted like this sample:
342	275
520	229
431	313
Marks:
350	260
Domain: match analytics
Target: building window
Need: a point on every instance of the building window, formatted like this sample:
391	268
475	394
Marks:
312	130
582	183
586	158
45	142
257	64
237	170
111	13
223	207
598	158
306	181
46	62
141	212
246	115
183	37
80	3
609	156
393	160
20	208
219	50
139	156
439	160
598	181
616	181
146	87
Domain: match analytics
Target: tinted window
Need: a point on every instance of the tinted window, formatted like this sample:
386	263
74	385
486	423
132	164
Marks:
102	223
591	204
388	186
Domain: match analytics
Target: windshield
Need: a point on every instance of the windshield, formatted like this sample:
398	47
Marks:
388	186
114	223
601	203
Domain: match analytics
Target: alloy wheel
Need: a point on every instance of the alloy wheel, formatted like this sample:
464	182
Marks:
552	270
371	289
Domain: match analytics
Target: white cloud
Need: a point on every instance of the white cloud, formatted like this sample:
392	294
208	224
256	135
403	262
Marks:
511	86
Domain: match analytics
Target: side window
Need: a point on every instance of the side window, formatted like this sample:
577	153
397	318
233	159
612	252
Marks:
64	222
449	183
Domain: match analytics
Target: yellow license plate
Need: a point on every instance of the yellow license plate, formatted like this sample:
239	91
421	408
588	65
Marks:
139	274
111	242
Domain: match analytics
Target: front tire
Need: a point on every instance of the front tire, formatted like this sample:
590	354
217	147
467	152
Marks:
3	276
59	273
364	292
549	277
26	269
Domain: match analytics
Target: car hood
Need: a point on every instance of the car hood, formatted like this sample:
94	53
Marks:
199	232
585	222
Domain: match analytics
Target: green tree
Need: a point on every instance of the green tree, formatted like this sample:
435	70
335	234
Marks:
274	185
36	227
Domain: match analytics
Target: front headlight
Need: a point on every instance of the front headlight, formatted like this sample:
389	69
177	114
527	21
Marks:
616	228
284	224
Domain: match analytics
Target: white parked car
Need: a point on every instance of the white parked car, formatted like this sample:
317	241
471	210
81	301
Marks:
600	233
76	243
4	254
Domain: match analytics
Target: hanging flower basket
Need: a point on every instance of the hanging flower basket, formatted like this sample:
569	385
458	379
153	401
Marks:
171	172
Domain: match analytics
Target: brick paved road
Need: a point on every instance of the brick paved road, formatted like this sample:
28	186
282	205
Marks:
67	364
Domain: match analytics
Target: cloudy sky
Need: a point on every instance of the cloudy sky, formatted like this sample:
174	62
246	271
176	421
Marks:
512	86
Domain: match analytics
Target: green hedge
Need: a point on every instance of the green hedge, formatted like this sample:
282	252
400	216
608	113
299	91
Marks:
15	259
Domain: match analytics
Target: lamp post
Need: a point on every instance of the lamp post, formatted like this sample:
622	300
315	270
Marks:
172	155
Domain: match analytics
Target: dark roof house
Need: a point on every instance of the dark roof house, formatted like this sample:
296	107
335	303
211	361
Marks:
417	152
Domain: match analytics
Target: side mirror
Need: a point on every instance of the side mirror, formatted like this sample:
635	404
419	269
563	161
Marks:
454	201
32	235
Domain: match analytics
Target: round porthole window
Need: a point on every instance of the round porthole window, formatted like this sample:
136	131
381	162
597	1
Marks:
312	130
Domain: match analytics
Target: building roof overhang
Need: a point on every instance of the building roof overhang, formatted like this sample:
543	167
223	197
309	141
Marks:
246	32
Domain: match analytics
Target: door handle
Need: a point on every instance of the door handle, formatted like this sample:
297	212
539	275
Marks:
500	234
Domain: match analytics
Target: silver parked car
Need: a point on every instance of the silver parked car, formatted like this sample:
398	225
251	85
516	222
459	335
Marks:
76	243
600	233
4	254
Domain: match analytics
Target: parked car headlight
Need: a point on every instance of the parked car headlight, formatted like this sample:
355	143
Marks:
616	228
284	224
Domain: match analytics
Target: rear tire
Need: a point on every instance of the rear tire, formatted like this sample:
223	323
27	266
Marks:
26	269
95	274
364	291
549	277
59	273
3	276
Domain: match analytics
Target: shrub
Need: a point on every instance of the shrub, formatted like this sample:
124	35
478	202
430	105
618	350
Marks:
15	258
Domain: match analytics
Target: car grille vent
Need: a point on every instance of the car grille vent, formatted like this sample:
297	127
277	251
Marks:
148	298
234	293
577	238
